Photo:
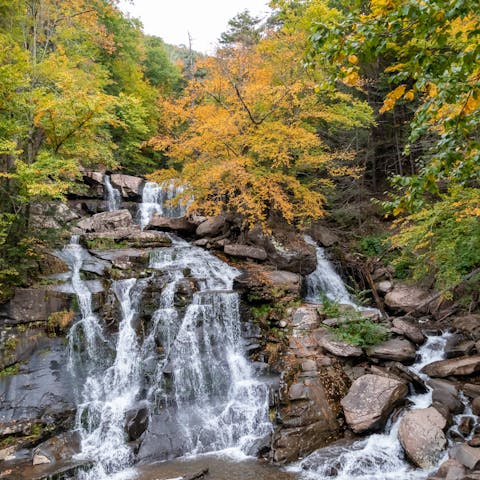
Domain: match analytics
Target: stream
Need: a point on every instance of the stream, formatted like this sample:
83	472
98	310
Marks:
189	375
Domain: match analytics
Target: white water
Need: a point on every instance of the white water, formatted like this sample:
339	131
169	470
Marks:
325	280
190	361
379	456
114	197
158	198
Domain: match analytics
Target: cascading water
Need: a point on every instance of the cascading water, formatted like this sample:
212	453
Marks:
379	456
113	196
157	198
325	280
188	364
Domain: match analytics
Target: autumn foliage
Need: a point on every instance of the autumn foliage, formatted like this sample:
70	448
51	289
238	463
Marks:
245	135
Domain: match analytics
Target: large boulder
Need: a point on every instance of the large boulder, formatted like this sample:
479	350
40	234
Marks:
54	215
213	226
409	330
131	237
445	394
57	449
323	235
107	221
453	367
129	186
370	401
395	349
405	297
245	251
175	224
458	346
469	325
421	435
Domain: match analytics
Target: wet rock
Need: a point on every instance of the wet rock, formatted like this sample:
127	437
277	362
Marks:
245	251
129	186
407	375
466	425
30	305
213	226
471	390
137	422
395	349
466	455
405	297
458	346
453	367
308	420
421	435
370	401
340	349
446	394
40	396
176	224
123	258
409	330
107	221
475	441
131	237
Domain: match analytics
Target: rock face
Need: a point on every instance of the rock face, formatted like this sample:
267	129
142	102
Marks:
129	186
395	349
245	251
53	215
445	394
405	297
323	235
454	366
421	435
106	221
370	401
34	305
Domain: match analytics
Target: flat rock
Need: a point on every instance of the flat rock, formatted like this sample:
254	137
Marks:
453	367
409	330
370	401
395	349
421	435
466	455
340	349
245	251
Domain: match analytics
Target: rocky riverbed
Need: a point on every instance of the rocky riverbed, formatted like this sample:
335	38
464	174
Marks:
321	390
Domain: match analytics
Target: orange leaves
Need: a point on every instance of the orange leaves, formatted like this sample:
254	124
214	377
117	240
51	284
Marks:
392	98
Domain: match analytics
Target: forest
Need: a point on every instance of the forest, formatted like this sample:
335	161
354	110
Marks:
261	262
320	106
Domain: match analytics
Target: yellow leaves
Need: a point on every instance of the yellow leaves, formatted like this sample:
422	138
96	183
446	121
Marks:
410	95
472	104
432	90
353	59
392	98
352	79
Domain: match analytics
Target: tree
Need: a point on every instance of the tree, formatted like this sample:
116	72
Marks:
246	136
243	29
429	53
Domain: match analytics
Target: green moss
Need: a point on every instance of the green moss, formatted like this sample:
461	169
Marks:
360	332
10	370
104	244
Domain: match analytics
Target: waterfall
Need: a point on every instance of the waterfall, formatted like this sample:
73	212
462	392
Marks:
325	280
157	198
188	362
113	196
379	455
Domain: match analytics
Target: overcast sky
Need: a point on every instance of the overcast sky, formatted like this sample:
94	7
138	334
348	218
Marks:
204	19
